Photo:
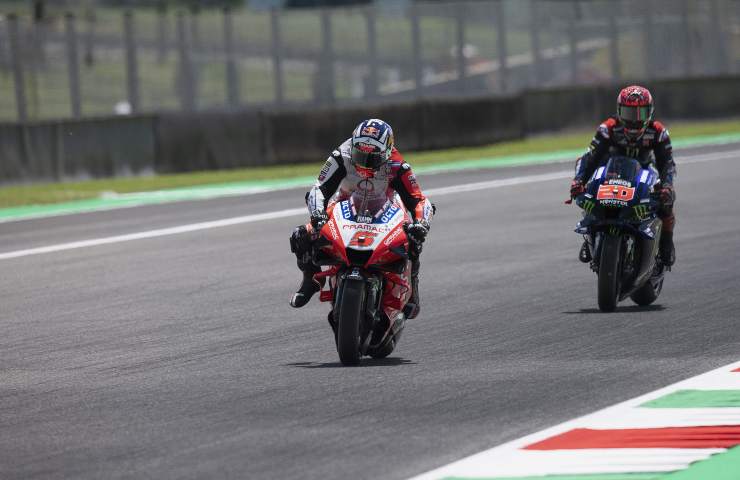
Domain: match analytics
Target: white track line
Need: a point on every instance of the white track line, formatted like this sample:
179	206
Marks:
434	192
510	460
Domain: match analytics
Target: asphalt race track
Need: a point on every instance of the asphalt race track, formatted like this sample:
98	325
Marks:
179	357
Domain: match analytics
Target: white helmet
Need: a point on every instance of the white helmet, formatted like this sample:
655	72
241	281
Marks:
372	143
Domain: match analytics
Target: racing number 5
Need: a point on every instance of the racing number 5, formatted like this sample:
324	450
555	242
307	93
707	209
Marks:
362	239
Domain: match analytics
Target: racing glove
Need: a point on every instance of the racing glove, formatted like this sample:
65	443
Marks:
417	231
319	219
576	188
667	195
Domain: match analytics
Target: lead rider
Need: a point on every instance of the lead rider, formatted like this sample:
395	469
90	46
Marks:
634	133
370	162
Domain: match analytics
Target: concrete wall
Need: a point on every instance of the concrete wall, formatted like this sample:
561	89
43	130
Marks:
178	142
78	148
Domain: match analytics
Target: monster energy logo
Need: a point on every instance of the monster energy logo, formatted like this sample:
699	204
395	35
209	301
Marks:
613	230
641	211
588	206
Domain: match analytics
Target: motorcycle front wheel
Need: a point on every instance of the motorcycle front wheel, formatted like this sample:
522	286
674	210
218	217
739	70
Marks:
351	310
609	274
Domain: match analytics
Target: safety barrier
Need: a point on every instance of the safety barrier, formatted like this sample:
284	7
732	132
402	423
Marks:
179	142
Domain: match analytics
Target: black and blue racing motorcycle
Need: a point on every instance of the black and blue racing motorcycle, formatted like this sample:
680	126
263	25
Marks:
622	229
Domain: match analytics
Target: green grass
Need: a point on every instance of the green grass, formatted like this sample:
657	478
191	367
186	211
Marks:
61	192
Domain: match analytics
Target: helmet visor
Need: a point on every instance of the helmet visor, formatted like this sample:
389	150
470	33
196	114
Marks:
367	157
633	114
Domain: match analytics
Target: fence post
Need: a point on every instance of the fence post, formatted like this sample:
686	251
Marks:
15	55
371	86
186	81
573	42
325	88
161	31
132	66
614	44
686	39
194	27
416	49
277	48
73	65
502	50
460	31
232	75
89	38
535	38
649	67
720	57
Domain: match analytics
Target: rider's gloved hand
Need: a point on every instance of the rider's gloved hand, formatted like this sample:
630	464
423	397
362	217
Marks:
667	195
417	231
319	219
576	188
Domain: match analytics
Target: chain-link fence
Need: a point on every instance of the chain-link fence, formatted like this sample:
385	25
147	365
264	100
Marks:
102	60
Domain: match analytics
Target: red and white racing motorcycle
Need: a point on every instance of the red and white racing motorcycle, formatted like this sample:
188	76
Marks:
365	246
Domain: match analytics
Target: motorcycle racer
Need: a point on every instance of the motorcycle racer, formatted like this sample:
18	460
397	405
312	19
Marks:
370	162
634	133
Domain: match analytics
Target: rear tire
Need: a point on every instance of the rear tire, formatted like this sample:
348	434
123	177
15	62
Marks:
608	286
348	321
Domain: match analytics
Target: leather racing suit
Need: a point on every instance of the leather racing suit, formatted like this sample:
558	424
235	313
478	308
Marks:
653	150
339	178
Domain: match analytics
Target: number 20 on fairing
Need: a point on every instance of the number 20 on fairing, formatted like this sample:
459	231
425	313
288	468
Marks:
615	192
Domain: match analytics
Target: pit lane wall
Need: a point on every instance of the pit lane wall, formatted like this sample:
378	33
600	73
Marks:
180	142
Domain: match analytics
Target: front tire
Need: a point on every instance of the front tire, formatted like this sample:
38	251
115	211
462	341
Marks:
608	286
348	321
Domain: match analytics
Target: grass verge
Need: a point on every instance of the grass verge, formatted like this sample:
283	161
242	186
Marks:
18	195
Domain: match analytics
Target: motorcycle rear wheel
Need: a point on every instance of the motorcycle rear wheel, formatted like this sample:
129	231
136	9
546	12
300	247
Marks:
348	322
609	274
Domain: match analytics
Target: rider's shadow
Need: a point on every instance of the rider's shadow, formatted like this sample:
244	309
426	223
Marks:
625	309
365	362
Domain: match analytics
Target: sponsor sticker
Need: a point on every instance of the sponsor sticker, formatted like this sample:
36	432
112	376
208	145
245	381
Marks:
346	213
365	227
324	171
393	236
615	192
370	131
389	213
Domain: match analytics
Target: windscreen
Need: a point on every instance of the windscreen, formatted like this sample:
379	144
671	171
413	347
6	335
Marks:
624	168
367	205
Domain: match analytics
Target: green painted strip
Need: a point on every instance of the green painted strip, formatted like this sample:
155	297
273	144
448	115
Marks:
722	466
697	399
604	476
113	200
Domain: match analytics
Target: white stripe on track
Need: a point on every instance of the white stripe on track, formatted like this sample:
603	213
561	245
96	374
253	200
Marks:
468	187
193	227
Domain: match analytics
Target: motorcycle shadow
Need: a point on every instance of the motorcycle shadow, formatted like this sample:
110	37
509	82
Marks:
625	309
365	362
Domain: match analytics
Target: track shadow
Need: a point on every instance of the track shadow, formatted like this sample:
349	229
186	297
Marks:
365	362
626	309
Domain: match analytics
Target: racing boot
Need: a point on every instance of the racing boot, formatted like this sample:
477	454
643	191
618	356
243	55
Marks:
412	308
308	287
585	254
666	250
